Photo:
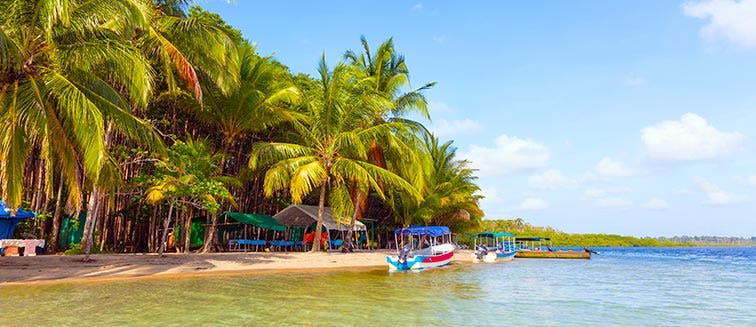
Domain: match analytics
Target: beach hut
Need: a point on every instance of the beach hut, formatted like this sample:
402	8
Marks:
305	216
241	231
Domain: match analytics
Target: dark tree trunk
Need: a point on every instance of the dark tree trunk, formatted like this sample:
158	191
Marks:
164	238
319	225
56	217
211	234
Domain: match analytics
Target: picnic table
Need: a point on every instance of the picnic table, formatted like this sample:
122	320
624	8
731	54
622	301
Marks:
11	246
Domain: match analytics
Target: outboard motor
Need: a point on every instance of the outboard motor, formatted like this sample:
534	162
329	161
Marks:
590	251
481	251
404	252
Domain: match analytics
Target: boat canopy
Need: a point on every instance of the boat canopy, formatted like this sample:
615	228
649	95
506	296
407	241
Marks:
495	234
536	239
262	221
423	230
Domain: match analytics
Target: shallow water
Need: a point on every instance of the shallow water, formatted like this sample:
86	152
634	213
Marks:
622	286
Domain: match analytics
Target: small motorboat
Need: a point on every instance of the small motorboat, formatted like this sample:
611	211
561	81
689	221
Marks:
494	247
421	247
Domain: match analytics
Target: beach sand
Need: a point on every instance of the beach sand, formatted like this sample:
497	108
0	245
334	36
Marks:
59	268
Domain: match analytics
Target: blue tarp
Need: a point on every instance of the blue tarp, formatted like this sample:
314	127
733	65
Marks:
8	222
423	230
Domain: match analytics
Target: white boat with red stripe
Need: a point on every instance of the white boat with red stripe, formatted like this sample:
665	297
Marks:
421	247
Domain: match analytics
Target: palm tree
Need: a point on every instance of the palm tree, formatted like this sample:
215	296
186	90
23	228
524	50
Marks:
177	45
67	72
330	146
385	72
260	102
450	194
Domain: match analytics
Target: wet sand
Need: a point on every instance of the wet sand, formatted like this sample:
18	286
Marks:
58	268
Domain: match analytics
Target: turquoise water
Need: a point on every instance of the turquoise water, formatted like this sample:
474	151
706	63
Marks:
620	287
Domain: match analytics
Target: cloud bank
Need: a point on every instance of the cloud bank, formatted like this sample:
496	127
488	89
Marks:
690	138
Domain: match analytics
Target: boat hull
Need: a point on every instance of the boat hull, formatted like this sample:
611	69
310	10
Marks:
419	262
553	254
494	257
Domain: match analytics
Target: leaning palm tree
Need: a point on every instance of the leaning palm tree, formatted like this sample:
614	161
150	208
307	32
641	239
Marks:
67	71
63	73
330	146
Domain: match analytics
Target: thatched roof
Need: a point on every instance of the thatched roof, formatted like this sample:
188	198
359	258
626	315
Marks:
304	215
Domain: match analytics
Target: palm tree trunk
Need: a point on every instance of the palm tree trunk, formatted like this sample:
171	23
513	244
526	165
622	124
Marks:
164	239
211	233
188	230
319	225
87	237
56	217
350	232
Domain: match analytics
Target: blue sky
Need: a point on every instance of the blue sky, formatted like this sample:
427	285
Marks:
628	117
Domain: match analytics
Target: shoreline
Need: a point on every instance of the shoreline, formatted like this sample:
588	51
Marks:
58	269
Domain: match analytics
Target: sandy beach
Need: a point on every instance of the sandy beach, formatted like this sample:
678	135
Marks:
59	268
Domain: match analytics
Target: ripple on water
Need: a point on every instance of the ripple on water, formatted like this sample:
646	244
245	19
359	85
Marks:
629	286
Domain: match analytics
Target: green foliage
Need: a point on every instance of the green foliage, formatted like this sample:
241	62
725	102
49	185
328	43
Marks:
190	174
522	229
75	249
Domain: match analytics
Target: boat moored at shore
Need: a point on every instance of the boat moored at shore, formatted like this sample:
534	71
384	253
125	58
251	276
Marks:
494	247
421	247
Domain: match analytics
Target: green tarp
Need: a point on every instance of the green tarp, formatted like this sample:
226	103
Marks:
262	221
197	236
71	230
495	234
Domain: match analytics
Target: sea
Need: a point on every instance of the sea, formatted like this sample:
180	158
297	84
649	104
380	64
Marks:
696	286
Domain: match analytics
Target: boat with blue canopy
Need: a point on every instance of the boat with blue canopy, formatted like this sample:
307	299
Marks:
494	247
421	247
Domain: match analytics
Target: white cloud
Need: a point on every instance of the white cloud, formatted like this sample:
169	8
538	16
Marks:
608	167
608	197
752	180
444	127
715	195
417	7
440	39
492	203
597	193
690	138
733	21
634	80
509	155
656	204
551	179
534	203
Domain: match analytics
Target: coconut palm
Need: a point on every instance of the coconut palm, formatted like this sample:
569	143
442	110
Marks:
330	146
67	69
450	194
180	44
385	72
260	102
